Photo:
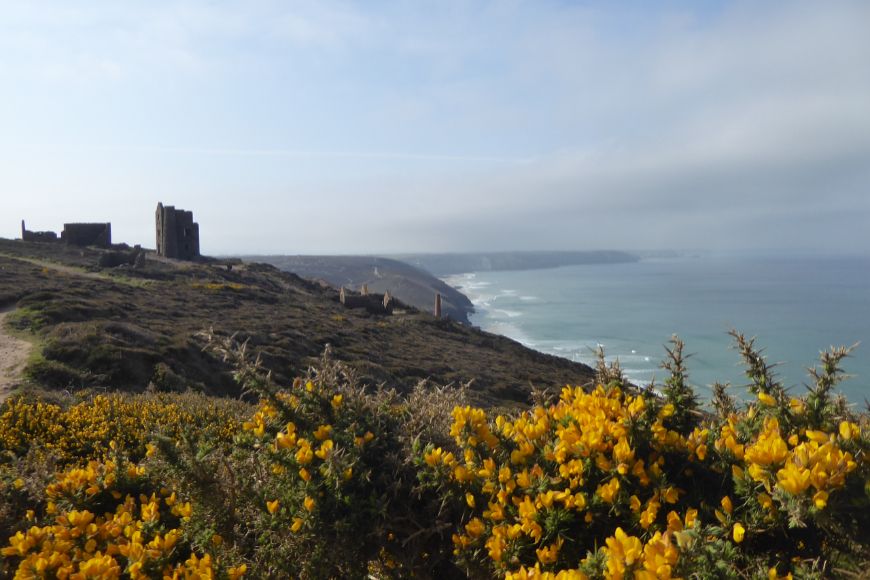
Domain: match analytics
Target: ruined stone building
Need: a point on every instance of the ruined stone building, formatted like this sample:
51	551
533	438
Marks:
177	233
373	303
31	236
97	234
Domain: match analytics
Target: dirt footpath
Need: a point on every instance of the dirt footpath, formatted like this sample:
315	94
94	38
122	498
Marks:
13	356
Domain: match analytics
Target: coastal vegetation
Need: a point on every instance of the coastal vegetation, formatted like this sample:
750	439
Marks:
201	421
326	477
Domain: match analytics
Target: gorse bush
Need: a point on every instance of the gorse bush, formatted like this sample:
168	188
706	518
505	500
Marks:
326	478
326	468
107	519
600	484
82	428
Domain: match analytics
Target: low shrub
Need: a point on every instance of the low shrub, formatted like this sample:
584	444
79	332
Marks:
327	478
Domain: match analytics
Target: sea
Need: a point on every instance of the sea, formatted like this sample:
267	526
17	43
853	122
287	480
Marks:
795	306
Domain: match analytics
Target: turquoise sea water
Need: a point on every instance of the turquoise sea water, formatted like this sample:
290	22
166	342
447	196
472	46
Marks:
794	305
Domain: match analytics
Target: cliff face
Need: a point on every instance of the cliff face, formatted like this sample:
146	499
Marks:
411	285
127	328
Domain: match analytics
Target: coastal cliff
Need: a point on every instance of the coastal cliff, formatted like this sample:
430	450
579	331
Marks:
410	284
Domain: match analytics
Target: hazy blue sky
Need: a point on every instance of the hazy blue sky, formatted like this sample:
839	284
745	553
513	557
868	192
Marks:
309	127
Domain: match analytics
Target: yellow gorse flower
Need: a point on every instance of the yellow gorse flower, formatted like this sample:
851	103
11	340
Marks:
770	448
766	399
738	532
325	449
622	552
793	479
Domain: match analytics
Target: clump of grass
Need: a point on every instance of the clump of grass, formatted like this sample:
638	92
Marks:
218	286
26	320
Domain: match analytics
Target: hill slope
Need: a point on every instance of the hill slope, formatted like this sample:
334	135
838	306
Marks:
126	328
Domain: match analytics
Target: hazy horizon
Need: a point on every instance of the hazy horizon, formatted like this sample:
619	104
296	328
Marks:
643	253
323	127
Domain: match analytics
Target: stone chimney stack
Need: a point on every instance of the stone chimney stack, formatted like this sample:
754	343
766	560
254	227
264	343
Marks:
437	305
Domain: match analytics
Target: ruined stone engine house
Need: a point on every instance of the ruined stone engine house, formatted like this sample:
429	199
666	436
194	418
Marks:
177	233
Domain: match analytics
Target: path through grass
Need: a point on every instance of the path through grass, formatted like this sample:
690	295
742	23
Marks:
13	357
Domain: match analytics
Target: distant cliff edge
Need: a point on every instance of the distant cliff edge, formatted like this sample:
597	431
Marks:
411	285
447	264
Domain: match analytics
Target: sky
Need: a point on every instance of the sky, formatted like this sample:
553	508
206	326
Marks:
388	127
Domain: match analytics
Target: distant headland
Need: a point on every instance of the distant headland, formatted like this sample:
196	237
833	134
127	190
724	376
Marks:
447	264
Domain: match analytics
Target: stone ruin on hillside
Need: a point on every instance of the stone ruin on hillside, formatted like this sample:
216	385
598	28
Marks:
379	303
88	234
373	303
177	233
31	236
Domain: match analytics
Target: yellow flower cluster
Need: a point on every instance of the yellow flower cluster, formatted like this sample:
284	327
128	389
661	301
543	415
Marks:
542	491
84	430
139	537
803	461
654	560
572	463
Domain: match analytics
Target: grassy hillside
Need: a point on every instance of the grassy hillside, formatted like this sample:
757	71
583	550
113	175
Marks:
125	328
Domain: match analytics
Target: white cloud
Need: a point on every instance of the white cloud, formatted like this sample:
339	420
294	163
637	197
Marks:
508	124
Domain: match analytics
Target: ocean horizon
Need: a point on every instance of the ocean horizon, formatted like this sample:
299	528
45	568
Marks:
795	305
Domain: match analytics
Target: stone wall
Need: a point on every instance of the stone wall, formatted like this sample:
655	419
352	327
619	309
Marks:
31	236
96	234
